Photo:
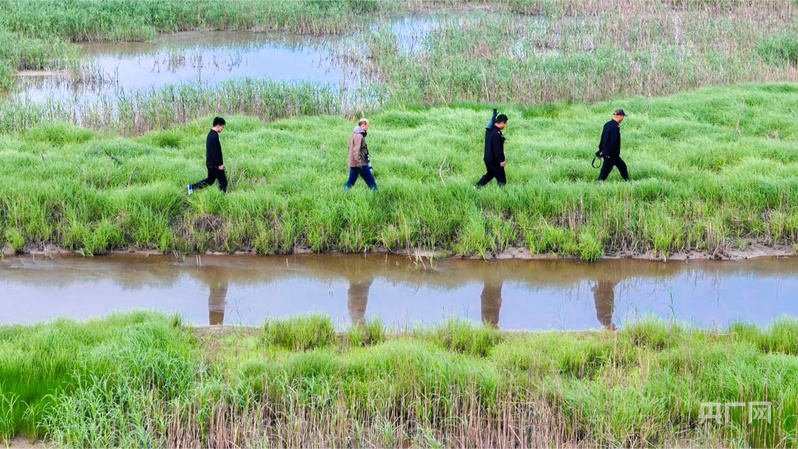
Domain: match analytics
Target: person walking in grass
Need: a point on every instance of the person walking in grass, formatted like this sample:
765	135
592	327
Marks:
610	147
213	159
494	153
358	158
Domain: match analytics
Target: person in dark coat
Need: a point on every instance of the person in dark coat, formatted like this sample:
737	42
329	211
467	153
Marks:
213	159
610	147
494	153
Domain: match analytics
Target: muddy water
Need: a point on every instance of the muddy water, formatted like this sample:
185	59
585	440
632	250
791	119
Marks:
399	290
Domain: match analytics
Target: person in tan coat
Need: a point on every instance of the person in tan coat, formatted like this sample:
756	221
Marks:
358	157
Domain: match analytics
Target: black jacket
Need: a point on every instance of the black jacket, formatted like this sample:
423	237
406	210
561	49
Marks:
610	144
494	145
213	150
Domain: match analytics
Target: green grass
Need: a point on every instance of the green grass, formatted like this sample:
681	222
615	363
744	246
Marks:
713	170
142	379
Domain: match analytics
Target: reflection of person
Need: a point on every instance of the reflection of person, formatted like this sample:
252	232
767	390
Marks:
610	147
216	279
213	159
358	298
358	158
604	297
491	301
494	153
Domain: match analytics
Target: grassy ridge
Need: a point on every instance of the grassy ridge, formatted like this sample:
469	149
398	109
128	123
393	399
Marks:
713	170
141	379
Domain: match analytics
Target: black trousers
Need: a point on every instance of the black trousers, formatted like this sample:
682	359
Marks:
213	174
613	161
494	171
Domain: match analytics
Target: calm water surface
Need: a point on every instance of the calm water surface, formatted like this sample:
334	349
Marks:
211	57
398	290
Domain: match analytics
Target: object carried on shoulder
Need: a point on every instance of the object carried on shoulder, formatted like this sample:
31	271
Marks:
492	119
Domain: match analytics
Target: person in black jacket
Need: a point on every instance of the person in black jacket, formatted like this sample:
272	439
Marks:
494	153
213	159
610	147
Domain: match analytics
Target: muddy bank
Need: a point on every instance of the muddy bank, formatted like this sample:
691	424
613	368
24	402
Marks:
20	442
749	251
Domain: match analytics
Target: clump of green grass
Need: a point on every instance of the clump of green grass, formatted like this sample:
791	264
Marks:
779	337
779	50
463	336
299	334
368	333
46	363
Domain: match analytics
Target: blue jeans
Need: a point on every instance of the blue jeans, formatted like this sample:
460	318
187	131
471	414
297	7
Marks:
364	173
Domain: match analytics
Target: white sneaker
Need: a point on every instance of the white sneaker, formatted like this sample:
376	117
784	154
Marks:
190	189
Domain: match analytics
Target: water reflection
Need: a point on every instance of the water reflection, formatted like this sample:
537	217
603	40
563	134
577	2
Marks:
490	301
357	295
217	281
604	298
357	298
399	290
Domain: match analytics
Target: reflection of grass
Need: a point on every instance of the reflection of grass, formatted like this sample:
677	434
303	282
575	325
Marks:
141	379
708	174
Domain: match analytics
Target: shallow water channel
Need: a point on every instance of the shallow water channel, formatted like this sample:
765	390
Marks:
398	290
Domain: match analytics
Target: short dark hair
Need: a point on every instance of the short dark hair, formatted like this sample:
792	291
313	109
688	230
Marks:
501	118
218	121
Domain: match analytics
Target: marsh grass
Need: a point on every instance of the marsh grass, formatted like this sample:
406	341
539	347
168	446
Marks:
143	379
713	170
540	52
528	51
